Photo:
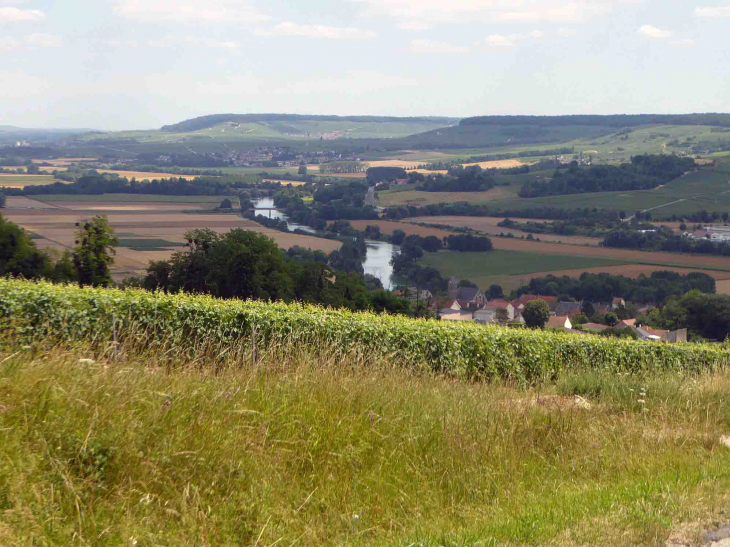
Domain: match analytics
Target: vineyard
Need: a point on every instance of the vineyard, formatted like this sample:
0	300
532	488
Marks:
40	311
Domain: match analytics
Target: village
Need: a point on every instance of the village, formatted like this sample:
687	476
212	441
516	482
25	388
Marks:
470	304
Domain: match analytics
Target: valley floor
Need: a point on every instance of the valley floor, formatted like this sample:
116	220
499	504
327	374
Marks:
297	449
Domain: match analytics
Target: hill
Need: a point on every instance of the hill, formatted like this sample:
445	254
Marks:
491	131
204	122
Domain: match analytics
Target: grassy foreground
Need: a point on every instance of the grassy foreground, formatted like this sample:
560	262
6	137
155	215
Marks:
300	449
40	311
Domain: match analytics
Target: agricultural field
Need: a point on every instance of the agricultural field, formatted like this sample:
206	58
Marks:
483	268
389	226
488	226
708	189
407	196
149	230
21	181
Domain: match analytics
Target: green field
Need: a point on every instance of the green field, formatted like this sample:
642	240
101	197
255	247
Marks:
148	244
482	268
20	181
708	188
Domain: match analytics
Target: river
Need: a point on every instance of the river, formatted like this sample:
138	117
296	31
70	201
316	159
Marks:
379	253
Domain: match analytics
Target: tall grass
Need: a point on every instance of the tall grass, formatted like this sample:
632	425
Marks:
307	446
65	313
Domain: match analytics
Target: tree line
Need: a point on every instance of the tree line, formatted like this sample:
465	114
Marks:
664	239
603	287
643	173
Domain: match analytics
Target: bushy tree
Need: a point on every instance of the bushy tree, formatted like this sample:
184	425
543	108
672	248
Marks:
536	314
494	292
93	254
502	316
19	255
226	204
2	200
398	237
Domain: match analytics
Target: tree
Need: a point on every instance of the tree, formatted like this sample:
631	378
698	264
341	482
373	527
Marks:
610	319
398	237
536	314
466	283
725	216
494	292
502	316
588	309
302	170
19	255
31	168
579	319
95	242
2	200
226	204
158	276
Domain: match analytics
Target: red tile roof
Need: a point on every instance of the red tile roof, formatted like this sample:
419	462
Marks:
498	304
556	322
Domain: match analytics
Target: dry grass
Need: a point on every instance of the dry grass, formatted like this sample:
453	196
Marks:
298	447
418	198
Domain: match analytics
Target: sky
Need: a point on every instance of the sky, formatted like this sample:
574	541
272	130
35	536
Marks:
139	64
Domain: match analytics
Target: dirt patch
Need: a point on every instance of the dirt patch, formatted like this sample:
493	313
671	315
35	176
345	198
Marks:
499	164
628	270
26	204
389	226
488	225
677	260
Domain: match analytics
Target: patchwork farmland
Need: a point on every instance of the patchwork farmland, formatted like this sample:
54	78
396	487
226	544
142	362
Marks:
147	230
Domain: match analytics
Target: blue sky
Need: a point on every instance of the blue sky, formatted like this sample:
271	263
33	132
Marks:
130	64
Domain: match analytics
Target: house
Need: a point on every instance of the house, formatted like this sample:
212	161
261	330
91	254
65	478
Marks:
595	327
569	309
485	316
618	303
676	337
647	333
601	308
502	304
557	322
414	294
470	297
519	303
625	323
458	316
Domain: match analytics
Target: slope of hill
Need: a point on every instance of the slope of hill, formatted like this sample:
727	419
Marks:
204	122
489	131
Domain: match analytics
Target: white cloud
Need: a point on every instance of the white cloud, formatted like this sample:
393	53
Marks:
567	32
189	11
719	11
433	46
16	15
172	40
353	82
43	40
317	31
510	40
8	43
123	43
685	42
414	25
413	12
653	32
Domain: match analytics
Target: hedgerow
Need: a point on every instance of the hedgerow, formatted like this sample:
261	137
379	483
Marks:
32	311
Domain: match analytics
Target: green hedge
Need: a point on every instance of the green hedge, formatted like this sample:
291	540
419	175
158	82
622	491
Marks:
64	312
